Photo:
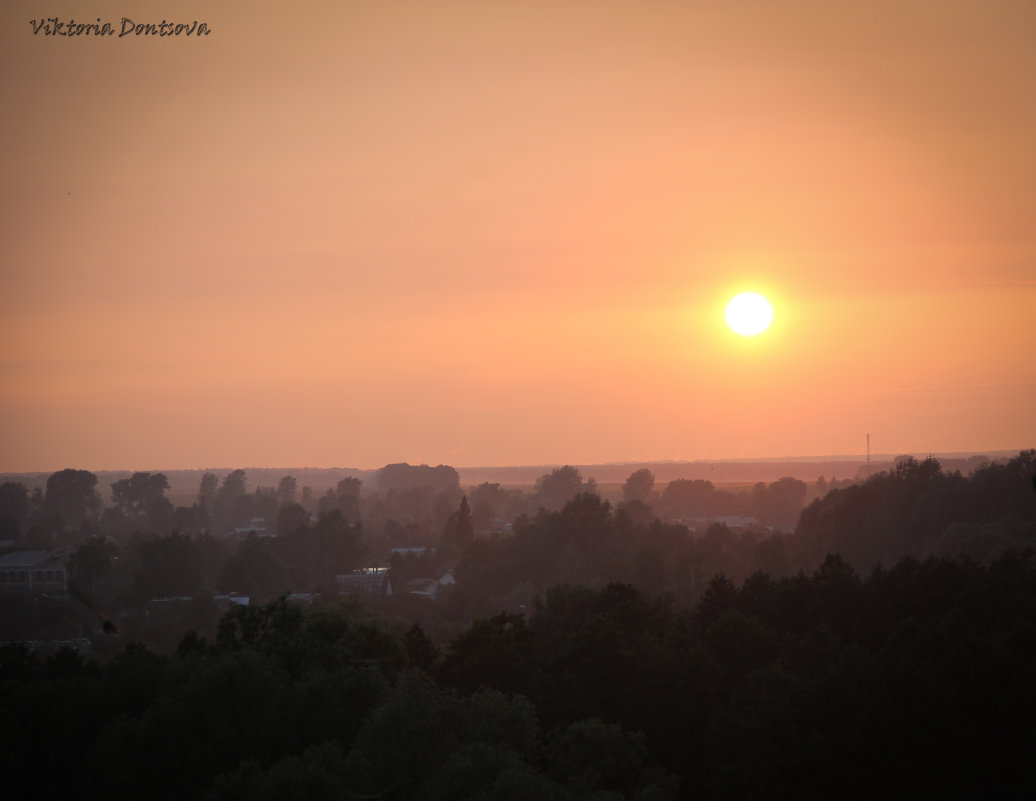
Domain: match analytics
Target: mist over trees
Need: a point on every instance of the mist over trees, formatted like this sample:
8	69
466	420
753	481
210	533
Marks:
638	486
71	497
632	641
918	509
139	502
515	543
554	489
406	476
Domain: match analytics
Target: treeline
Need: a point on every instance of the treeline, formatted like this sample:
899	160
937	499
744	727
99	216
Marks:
918	508
405	505
912	682
914	510
405	500
506	546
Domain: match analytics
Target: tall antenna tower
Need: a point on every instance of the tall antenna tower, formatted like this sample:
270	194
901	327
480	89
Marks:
868	450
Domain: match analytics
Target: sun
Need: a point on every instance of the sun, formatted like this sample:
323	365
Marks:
749	314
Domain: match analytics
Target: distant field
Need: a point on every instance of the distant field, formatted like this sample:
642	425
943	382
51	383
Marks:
613	489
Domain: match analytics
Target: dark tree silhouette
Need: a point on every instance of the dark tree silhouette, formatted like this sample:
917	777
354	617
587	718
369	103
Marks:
72	496
459	530
14	506
286	490
638	486
556	488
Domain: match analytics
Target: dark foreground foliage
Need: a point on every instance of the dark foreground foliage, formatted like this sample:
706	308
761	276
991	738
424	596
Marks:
291	703
916	681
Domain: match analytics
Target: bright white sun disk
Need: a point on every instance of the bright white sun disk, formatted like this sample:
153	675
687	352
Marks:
749	314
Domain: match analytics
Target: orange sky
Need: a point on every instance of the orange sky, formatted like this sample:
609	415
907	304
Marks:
504	232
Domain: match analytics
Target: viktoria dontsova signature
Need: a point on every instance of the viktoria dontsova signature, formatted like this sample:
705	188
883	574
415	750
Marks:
53	26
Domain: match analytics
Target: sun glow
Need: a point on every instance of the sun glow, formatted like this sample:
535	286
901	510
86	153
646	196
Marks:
749	314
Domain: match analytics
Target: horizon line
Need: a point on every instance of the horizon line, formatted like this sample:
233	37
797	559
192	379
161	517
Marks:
553	465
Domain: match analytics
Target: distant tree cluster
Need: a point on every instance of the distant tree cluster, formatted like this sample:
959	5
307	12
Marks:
918	509
772	505
913	510
511	545
407	476
590	543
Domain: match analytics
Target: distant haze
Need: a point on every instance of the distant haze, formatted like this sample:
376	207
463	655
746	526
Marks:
184	483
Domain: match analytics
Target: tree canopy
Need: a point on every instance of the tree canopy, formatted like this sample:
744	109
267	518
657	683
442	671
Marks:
72	496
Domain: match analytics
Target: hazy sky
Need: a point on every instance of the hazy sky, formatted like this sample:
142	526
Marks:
354	233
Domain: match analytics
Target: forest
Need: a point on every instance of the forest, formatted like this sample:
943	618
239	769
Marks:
874	639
